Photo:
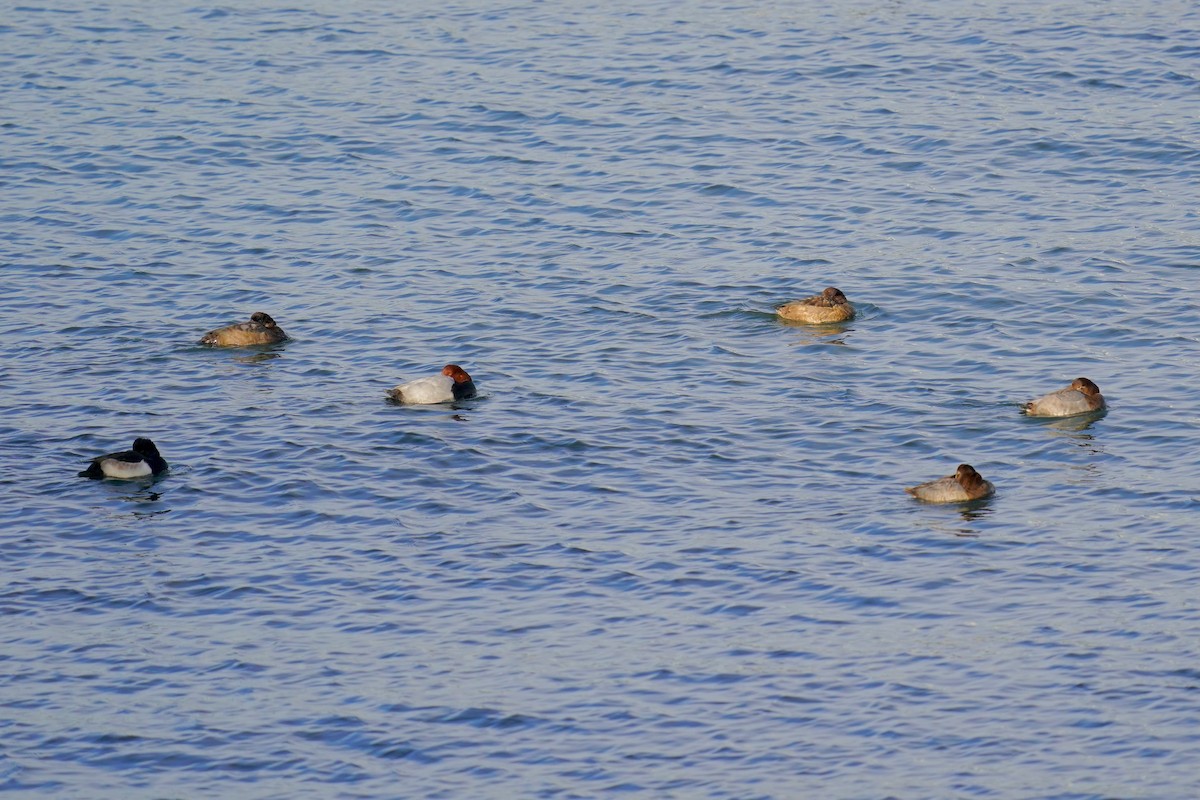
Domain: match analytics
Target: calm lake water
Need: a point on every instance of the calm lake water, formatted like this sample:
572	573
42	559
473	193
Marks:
666	552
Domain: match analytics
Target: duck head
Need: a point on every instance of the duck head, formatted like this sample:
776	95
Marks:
967	477
262	318
458	373
144	447
834	295
1085	386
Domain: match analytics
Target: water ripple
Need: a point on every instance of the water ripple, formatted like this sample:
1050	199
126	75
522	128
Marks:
665	552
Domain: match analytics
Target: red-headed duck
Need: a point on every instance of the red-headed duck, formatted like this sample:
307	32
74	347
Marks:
140	462
828	306
965	484
261	329
452	383
1081	397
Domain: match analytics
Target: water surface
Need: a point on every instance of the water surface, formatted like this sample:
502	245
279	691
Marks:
666	552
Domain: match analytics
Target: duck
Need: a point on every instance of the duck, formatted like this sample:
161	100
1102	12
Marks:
261	329
141	462
828	306
452	383
1081	397
964	485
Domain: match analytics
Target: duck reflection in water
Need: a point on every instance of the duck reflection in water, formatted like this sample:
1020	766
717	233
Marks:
258	358
834	333
975	510
1075	424
146	502
968	515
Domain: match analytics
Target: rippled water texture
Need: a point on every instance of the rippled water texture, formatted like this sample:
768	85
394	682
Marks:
666	551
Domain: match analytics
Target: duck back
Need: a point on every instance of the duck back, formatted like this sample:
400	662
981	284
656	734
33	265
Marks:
424	391
1065	403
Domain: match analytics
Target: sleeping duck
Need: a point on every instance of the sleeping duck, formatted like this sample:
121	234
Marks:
965	484
452	383
140	462
261	329
828	306
1081	397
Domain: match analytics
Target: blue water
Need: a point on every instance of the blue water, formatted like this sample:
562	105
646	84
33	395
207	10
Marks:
666	552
